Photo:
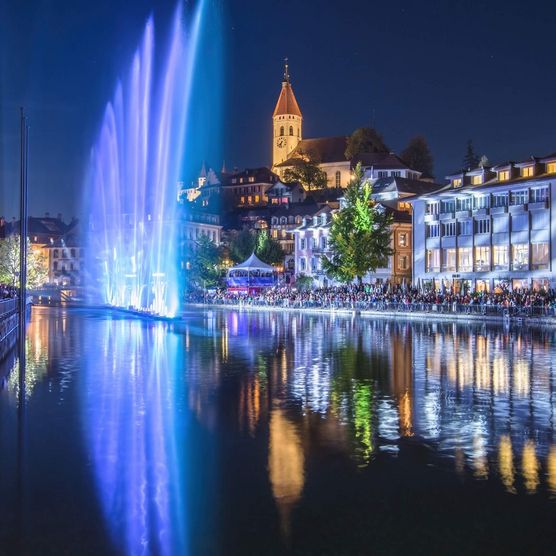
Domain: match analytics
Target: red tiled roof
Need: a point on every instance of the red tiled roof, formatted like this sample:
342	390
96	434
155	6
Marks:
287	103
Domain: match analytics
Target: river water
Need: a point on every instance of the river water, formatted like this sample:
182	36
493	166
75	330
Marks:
277	433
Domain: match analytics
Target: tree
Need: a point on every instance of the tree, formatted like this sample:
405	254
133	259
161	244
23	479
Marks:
308	173
471	159
364	140
242	244
484	161
205	261
304	282
417	155
268	249
37	264
359	235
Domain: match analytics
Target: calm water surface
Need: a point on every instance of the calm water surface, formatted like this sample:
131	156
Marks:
270	433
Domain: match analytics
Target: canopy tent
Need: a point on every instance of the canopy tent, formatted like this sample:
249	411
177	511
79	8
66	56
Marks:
250	276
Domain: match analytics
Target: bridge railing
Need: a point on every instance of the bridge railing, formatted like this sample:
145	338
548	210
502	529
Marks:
7	306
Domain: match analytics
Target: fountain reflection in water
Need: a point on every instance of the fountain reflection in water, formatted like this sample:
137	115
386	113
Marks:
134	167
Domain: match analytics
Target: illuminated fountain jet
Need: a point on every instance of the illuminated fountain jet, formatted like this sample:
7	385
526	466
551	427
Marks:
134	166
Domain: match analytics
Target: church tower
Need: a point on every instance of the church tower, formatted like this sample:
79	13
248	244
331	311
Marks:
287	122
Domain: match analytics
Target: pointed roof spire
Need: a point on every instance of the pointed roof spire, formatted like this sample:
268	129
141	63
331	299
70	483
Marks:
287	103
224	170
203	172
286	70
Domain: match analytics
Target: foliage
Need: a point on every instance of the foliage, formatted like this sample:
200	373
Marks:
204	268
307	172
242	244
364	140
471	159
359	235
37	264
268	249
417	155
304	282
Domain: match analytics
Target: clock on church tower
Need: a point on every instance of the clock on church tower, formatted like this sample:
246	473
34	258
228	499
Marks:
287	122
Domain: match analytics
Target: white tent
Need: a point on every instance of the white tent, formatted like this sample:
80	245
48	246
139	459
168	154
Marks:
253	263
251	274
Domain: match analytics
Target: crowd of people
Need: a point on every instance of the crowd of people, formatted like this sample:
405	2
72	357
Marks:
7	292
382	297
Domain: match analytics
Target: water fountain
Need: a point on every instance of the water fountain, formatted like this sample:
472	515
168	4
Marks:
135	164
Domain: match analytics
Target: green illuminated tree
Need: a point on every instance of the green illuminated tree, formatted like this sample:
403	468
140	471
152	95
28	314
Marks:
268	249
205	264
359	235
242	244
37	264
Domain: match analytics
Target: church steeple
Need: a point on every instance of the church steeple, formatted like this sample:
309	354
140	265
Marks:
287	121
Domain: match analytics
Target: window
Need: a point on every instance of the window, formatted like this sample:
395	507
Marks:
465	227
432	208
314	242
257	198
338	179
433	230
539	256
520	256
449	260
481	202
457	182
249	199
520	222
402	239
500	257
382	174
464	203
55	253
540	219
283	220
291	130
482	259
518	197
251	179
476	180
402	262
302	243
325	176
551	167
527	171
397	174
500	200
433	260
539	195
313	264
281	130
323	242
55	265
504	175
72	251
449	229
482	226
447	206
302	264
465	259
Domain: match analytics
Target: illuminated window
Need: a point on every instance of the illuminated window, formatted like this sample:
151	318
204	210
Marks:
338	179
476	180
539	256
257	198
500	257
402	262
464	203
433	260
457	182
449	260
504	175
482	259
465	261
520	256
527	171
249	199
251	179
551	167
242	200
402	239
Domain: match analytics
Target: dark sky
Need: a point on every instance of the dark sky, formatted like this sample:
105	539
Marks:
450	70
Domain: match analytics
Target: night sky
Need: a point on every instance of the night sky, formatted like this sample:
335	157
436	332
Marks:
448	70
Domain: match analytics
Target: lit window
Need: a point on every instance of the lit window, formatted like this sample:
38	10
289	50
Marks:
482	259
481	202
551	167
500	257
338	179
527	171
249	199
402	240
520	256
449	260
476	180
257	198
242	200
457	182
539	256
504	175
465	261
402	262
251	179
433	260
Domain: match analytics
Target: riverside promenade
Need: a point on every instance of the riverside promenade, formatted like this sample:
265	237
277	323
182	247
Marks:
9	321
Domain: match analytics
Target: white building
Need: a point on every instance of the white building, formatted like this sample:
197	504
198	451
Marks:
490	227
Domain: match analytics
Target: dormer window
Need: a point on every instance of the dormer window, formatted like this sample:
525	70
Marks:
527	171
477	180
551	168
504	175
457	182
251	179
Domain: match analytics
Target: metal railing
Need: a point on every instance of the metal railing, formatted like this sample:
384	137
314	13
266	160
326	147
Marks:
398	307
7	306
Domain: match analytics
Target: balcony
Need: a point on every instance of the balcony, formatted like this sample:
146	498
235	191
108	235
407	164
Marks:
480	212
447	216
539	205
431	218
517	208
463	214
499	210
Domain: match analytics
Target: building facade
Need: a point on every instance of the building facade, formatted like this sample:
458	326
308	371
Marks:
491	227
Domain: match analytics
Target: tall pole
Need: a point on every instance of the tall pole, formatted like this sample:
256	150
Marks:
24	151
